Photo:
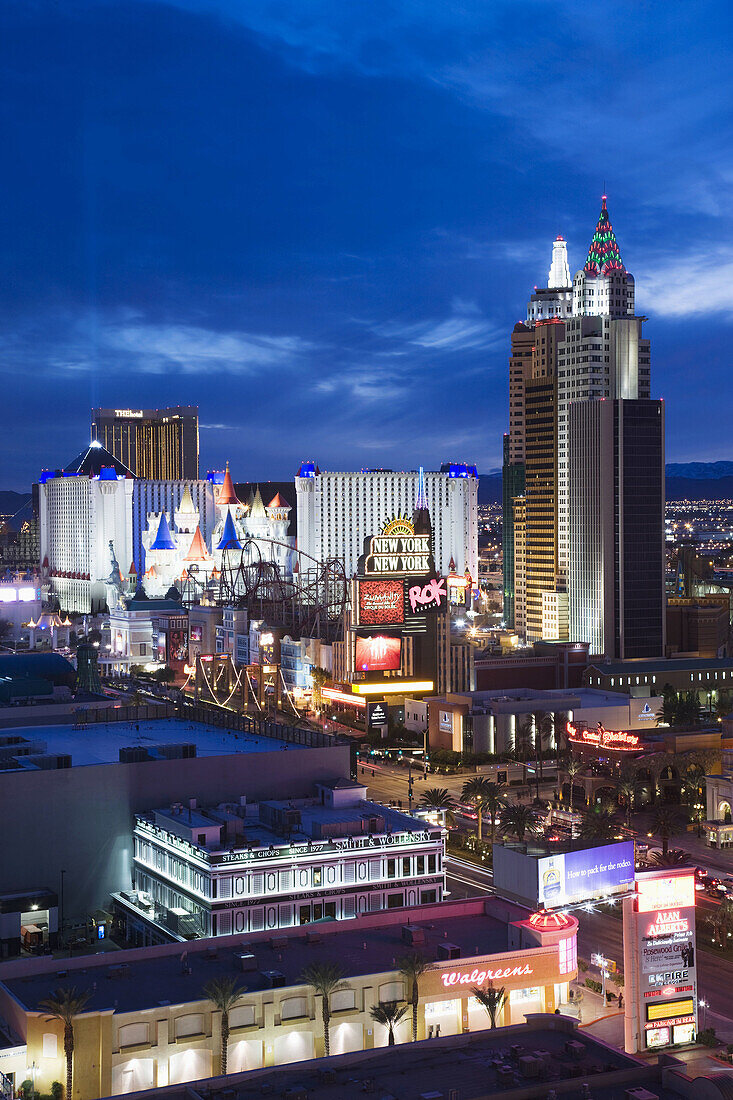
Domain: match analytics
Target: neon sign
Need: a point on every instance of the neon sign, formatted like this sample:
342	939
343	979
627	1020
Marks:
478	977
397	549
668	923
619	740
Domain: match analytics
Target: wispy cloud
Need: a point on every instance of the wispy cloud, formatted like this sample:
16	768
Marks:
157	348
126	342
465	330
685	285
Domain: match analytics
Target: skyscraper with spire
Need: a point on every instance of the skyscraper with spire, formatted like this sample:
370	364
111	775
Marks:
582	343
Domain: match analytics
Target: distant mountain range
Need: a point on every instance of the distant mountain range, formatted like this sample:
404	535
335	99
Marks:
684	481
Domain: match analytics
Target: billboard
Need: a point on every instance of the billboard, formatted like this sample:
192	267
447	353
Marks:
378	653
381	602
665	892
426	594
377	715
570	877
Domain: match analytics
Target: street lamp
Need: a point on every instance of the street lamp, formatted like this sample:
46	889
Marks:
703	1005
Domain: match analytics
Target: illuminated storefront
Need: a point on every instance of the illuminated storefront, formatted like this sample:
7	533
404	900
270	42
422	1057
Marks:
659	961
163	1028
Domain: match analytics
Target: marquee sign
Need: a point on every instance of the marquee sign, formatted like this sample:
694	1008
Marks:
397	549
616	740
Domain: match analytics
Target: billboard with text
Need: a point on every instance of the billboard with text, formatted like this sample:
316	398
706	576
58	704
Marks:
572	877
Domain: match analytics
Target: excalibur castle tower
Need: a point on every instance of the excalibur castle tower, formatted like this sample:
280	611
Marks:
584	463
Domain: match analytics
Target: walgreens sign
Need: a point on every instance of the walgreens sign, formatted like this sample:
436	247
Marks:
479	977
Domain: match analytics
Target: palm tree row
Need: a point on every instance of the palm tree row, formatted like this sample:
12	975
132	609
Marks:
325	978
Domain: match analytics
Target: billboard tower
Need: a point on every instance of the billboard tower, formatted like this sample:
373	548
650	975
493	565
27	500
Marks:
659	961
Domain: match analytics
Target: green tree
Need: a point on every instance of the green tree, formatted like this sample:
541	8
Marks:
493	1000
65	1005
723	704
439	798
665	824
598	823
224	993
519	820
318	676
721	921
523	740
674	857
560	728
485	796
627	788
544	728
412	967
388	1013
324	978
574	766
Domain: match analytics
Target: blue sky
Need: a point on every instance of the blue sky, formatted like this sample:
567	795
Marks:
320	220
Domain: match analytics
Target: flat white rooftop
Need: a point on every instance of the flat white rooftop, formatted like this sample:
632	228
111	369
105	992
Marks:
100	742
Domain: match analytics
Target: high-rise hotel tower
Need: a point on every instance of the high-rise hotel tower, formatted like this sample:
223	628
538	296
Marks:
593	532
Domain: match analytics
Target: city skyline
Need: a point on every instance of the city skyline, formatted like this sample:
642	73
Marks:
321	231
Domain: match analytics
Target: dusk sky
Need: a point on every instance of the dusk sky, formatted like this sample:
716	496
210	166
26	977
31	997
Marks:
319	221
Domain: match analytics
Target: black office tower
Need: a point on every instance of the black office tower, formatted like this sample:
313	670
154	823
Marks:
616	519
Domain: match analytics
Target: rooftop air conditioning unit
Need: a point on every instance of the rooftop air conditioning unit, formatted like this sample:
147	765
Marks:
448	951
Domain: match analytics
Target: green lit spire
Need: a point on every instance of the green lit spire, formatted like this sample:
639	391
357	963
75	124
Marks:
603	254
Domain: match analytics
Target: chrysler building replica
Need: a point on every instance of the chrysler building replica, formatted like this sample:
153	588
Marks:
582	461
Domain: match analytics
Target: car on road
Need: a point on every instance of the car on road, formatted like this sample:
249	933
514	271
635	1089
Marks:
716	889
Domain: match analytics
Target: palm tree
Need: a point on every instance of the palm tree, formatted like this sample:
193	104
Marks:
573	767
523	740
224	993
675	857
560	728
439	798
65	1005
324	978
388	1013
543	729
721	921
492	999
627	787
484	795
412	967
494	803
518	819
665	825
598	823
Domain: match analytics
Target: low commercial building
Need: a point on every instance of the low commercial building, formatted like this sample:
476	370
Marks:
148	1021
252	866
483	721
546	1056
95	778
545	665
719	824
643	678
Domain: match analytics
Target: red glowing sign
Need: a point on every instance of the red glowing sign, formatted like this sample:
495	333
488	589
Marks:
378	653
381	602
618	740
667	922
665	892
